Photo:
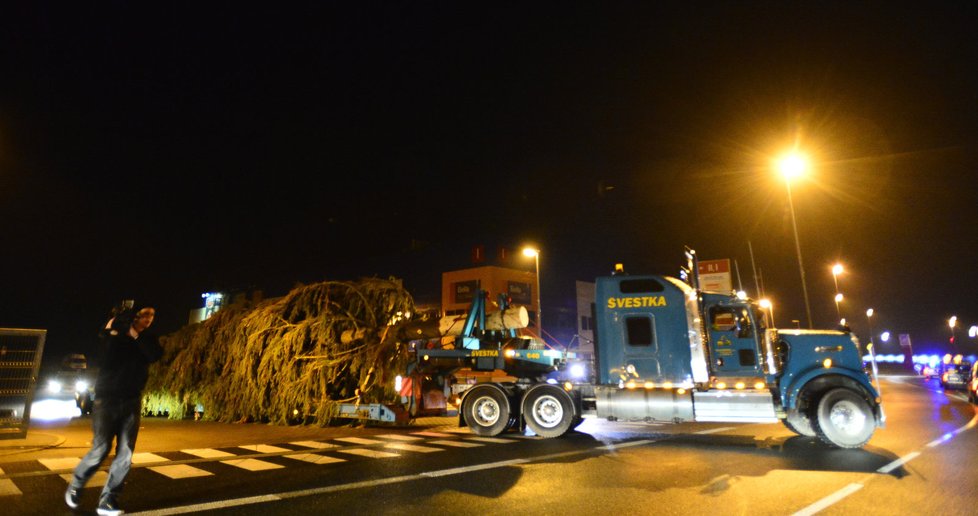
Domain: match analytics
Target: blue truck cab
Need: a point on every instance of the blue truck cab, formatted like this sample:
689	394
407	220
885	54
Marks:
667	351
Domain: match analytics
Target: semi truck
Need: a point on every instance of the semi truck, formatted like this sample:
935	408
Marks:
665	351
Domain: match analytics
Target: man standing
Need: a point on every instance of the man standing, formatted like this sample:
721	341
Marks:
127	351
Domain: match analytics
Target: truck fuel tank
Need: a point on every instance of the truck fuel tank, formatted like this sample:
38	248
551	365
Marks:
643	404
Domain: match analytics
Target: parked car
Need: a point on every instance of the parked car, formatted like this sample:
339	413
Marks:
956	376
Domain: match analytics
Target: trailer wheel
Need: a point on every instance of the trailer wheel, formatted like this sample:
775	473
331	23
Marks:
548	410
844	419
799	423
486	410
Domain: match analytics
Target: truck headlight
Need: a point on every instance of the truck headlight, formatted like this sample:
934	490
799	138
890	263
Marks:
81	386
577	371
54	386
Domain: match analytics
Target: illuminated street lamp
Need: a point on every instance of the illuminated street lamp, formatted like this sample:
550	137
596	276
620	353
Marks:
836	270
952	322
793	166
769	308
869	319
530	252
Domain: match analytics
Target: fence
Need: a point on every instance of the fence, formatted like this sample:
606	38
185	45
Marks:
20	359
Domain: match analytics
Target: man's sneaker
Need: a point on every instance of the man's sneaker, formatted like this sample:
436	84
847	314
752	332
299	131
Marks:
107	506
73	497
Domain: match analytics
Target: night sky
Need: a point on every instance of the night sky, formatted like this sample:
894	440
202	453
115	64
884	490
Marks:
158	150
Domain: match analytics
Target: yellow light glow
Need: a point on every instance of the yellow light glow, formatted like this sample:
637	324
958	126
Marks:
721	385
667	385
838	298
792	165
510	353
827	363
681	391
947	358
765	303
759	385
649	385
568	386
295	412
739	385
426	357
530	252
957	359
837	269
630	385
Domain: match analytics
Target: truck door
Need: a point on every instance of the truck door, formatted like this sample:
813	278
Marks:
733	343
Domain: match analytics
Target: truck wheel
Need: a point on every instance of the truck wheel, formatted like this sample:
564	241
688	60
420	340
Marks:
486	410
799	423
844	419
548	410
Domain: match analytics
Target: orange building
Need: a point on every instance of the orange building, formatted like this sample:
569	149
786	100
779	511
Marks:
459	287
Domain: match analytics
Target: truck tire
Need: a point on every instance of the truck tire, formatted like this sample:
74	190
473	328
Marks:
548	410
844	419
486	410
799	423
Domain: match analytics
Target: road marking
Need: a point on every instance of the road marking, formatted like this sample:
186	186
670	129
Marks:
314	444
238	502
899	462
146	458
264	448
208	453
400	437
358	440
433	434
829	500
412	447
314	458
7	487
178	471
497	440
98	479
373	454
252	464
457	444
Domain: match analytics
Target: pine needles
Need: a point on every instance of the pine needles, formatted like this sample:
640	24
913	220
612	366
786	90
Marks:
282	360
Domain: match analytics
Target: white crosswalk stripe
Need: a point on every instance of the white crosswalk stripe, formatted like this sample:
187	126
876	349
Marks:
401	437
174	471
252	464
314	458
412	447
373	454
432	434
314	444
358	440
207	453
7	487
457	444
263	448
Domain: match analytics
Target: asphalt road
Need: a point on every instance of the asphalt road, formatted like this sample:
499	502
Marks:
922	462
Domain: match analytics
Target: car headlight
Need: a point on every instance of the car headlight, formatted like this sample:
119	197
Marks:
54	386
81	386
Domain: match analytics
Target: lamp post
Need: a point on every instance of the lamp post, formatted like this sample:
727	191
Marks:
836	270
769	308
869	320
530	252
792	166
952	322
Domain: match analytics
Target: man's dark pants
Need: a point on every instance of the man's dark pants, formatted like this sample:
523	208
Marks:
111	419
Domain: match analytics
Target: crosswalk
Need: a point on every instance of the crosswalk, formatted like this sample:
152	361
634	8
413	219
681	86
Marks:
198	462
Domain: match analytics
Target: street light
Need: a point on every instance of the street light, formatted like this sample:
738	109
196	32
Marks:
836	270
530	252
792	166
769	308
869	319
952	322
